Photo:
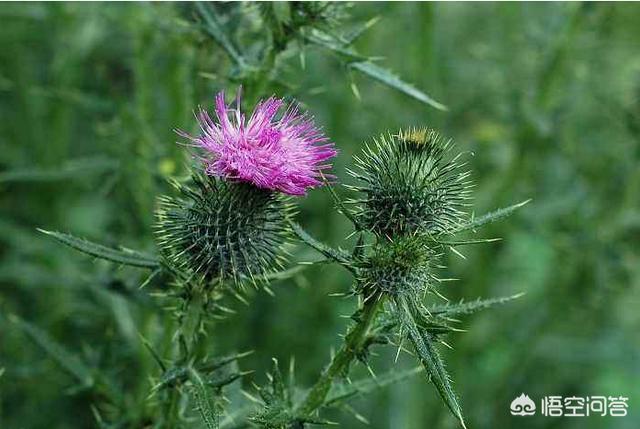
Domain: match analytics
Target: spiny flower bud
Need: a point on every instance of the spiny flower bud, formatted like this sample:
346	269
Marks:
410	185
401	266
219	230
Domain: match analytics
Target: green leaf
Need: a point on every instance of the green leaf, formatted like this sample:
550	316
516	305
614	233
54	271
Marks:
358	250
122	257
472	306
284	274
365	66
71	169
204	403
336	254
354	35
467	242
215	30
489	217
334	45
340	205
429	357
388	78
342	392
67	360
179	374
219	362
277	382
153	353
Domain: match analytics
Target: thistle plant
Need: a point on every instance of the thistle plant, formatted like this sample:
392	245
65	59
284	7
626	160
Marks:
413	194
232	220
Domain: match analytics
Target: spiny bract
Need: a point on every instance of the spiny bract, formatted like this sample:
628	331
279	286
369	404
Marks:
219	230
410	185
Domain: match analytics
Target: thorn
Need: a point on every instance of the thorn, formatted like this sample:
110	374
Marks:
250	397
461	421
454	250
399	350
446	345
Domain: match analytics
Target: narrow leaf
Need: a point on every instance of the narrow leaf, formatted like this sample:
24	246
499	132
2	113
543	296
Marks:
489	217
204	403
365	66
219	362
346	391
335	254
72	169
334	45
429	357
67	360
215	30
284	274
388	78
358	250
123	257
468	242
153	353
340	205
359	31
470	307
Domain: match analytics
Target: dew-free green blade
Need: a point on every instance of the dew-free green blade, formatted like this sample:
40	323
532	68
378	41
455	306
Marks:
122	257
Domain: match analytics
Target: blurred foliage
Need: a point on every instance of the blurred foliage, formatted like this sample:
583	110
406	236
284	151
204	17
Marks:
546	97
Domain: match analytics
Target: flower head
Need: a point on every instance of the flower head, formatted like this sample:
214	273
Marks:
411	184
284	152
216	230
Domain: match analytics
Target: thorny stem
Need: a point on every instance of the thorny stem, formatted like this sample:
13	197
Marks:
189	325
353	344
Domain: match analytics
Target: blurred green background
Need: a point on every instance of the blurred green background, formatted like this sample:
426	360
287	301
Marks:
545	96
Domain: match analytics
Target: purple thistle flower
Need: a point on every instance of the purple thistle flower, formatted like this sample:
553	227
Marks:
285	153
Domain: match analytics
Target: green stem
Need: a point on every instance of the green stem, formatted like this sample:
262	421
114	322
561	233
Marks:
188	336
353	343
190	324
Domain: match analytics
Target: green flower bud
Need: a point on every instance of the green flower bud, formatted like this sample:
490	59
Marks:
410	185
402	266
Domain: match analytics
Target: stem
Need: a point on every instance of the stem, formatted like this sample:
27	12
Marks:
190	324
188	335
353	343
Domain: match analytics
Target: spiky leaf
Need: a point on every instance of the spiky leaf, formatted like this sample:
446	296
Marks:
392	80
331	253
122	257
65	358
493	216
471	306
77	168
429	356
213	27
204	402
342	392
364	65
